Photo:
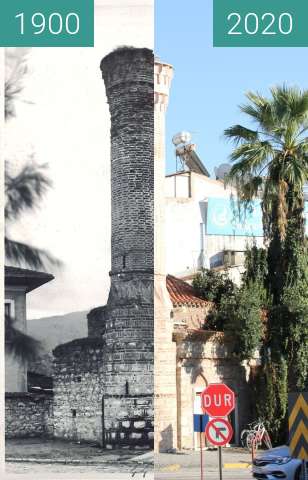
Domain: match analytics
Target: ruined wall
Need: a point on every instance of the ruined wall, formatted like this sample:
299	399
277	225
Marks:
128	74
97	321
28	415
83	408
78	390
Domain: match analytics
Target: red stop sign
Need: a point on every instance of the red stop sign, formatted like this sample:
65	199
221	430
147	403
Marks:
217	400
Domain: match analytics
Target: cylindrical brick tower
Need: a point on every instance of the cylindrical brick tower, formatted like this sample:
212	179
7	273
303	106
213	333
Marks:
128	74
165	349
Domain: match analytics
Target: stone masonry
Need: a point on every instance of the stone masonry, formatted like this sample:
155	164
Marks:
104	383
128	74
28	415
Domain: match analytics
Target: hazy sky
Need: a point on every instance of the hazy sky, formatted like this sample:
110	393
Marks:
64	120
210	82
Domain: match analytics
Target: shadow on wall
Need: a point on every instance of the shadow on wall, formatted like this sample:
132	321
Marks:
194	350
166	442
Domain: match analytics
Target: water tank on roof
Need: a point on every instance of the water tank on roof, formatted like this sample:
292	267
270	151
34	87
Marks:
180	138
222	171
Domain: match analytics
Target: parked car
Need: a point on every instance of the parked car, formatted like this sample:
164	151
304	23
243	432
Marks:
276	463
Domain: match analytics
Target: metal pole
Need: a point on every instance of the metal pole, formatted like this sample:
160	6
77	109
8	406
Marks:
304	471
201	457
220	463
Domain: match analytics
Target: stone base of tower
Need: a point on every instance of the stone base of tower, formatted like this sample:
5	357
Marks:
128	421
103	386
128	400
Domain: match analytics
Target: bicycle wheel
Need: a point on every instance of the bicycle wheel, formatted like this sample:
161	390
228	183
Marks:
267	440
243	438
251	441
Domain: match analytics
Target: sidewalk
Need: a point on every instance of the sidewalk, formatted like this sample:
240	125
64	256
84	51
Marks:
39	450
232	458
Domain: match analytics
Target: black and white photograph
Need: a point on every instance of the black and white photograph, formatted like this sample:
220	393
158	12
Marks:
79	241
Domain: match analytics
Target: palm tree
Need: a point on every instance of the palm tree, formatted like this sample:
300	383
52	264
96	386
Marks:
19	343
271	162
23	192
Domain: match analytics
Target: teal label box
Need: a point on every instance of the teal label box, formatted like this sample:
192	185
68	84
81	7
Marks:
47	23
260	23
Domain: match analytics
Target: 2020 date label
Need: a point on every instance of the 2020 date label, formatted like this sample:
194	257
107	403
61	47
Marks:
260	23
47	23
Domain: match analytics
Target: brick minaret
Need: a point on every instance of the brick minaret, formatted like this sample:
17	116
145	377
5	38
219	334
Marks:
128	74
165	350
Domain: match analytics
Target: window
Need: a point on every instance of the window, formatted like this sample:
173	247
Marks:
9	308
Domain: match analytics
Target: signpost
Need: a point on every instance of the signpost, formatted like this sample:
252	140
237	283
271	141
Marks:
219	431
218	400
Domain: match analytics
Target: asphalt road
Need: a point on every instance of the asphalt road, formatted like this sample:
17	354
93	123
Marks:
74	472
112	472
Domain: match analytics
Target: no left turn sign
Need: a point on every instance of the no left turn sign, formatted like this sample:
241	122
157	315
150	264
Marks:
219	431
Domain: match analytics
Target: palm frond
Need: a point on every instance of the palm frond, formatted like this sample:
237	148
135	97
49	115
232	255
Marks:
15	71
25	255
290	103
18	343
251	156
24	190
239	134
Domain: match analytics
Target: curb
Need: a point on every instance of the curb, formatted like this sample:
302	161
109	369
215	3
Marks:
237	465
71	462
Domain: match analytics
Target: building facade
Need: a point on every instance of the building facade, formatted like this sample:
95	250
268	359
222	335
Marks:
26	414
18	283
200	229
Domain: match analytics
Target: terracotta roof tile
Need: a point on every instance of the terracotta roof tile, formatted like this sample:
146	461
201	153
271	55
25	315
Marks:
181	293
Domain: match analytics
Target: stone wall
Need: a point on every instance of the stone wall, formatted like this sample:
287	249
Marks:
190	316
78	390
82	409
133	422
97	321
28	415
208	355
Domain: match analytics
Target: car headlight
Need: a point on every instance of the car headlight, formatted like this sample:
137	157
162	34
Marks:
281	460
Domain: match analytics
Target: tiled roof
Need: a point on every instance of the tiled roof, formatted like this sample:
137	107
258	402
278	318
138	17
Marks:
181	293
24	277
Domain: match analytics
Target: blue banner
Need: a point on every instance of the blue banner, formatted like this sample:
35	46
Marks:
222	221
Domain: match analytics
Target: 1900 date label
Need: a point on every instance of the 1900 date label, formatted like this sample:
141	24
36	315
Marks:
47	23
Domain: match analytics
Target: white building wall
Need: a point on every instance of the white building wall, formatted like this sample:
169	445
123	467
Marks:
16	368
188	247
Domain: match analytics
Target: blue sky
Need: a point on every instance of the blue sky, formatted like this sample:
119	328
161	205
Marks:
210	83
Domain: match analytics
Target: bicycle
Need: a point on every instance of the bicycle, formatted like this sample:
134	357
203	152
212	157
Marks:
254	437
246	432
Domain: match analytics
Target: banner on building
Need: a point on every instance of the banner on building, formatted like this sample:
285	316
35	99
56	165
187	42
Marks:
223	220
